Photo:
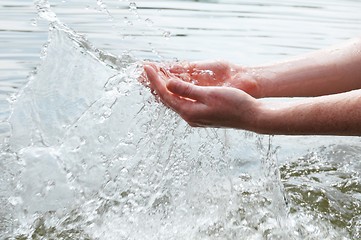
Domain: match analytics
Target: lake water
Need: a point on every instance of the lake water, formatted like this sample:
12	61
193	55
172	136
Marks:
87	153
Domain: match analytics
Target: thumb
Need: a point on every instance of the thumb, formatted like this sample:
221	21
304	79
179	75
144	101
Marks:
185	89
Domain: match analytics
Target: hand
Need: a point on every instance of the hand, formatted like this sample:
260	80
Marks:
200	106
216	73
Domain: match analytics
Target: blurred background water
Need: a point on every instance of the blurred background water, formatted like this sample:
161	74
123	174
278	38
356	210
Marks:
87	153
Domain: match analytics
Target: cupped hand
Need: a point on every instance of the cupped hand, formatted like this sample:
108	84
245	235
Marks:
214	73
207	73
201	106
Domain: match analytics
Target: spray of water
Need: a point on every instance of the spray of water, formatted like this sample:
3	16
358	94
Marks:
92	155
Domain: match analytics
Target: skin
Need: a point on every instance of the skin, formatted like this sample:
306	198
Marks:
222	94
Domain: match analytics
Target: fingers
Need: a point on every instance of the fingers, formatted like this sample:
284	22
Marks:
159	85
186	90
154	79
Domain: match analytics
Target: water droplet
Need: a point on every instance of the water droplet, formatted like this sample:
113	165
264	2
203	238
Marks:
34	22
121	158
49	186
149	22
166	34
15	201
156	53
132	6
130	135
100	3
101	139
82	141
193	81
44	51
107	112
104	158
12	98
124	171
127	21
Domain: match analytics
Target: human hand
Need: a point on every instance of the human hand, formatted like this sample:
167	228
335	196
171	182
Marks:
201	106
214	73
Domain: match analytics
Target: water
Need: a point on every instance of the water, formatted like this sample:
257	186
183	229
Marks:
87	153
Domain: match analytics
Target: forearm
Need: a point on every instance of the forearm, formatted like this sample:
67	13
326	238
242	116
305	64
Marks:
338	114
333	70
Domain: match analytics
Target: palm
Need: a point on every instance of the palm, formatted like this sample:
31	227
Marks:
215	73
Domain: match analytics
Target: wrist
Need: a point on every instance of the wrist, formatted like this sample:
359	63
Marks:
256	117
267	118
251	80
280	117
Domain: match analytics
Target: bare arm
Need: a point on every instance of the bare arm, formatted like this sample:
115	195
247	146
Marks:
203	106
226	96
338	114
332	70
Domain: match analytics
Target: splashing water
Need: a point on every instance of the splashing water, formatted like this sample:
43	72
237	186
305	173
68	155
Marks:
92	155
97	155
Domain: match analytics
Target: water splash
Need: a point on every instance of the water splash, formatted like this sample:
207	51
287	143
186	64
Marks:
103	8
92	145
44	11
92	155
